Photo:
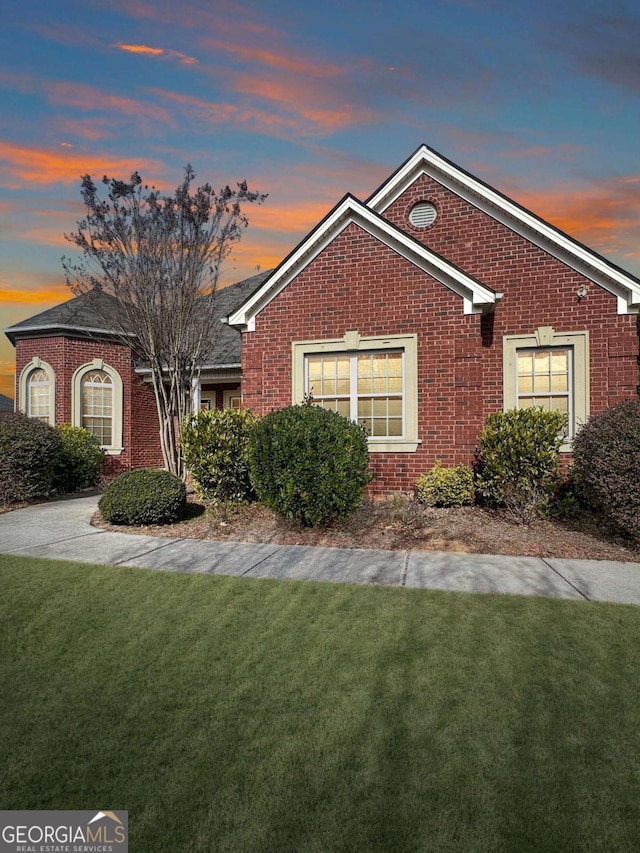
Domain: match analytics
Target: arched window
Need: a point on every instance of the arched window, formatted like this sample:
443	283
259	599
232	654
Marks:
37	397
97	403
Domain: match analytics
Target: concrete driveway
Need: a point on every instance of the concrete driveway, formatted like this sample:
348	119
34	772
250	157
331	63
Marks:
61	530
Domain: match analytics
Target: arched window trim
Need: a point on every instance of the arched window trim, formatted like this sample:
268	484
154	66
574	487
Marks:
116	447
37	363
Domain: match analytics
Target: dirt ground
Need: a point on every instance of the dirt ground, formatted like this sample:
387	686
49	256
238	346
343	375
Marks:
401	523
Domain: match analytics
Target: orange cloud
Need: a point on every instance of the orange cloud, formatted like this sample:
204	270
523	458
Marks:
140	48
604	216
20	165
44	296
282	60
91	99
246	117
321	109
145	50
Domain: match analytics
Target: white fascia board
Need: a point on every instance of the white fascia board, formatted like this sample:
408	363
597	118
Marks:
475	295
560	246
43	330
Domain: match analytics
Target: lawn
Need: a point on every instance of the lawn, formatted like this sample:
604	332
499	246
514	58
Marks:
250	715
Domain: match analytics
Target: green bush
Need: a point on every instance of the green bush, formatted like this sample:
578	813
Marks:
79	461
447	487
309	463
215	446
606	464
145	496
518	456
28	452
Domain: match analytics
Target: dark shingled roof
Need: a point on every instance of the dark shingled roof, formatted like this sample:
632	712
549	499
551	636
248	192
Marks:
86	313
89	313
6	403
227	347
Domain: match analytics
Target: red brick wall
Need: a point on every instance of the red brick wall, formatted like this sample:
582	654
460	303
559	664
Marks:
357	283
140	421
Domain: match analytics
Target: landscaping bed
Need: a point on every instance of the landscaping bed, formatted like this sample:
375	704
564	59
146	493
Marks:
401	523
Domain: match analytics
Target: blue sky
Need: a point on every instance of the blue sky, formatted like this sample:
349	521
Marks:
307	102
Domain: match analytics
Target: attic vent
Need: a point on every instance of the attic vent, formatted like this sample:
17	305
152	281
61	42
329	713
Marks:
422	214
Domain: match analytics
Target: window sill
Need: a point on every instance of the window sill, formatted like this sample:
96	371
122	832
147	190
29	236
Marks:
113	451
393	446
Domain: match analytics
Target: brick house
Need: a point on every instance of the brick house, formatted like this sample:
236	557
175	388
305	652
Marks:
417	312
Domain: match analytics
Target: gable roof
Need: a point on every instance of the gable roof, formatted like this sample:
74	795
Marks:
475	295
425	160
85	314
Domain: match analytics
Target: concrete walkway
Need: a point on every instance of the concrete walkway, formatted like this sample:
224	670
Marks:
62	531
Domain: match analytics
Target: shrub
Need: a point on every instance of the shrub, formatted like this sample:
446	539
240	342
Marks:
606	464
79	461
309	463
518	456
448	487
145	496
28	451
215	447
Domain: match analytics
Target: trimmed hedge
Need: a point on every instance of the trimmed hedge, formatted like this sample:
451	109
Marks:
145	496
79	461
518	458
606	464
446	487
215	447
309	463
28	453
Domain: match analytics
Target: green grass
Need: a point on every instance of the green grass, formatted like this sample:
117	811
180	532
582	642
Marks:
250	715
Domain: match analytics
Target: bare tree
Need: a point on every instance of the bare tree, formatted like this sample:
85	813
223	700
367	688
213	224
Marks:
159	257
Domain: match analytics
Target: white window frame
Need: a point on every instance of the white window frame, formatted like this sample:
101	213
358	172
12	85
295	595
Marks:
351	344
116	446
37	363
545	338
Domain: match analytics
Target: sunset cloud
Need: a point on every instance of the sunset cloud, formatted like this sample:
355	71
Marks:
146	50
605	215
21	165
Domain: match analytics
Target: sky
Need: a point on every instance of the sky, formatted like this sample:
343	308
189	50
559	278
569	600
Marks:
308	101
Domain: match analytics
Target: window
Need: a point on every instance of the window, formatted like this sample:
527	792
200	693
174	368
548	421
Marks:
548	369
37	391
373	381
97	403
38	403
366	387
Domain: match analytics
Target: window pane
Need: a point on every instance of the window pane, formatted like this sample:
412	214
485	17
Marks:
559	382
541	362
395	407
395	426
525	384
542	384
525	362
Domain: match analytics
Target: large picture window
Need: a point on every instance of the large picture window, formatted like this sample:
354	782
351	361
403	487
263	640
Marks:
372	381
551	370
